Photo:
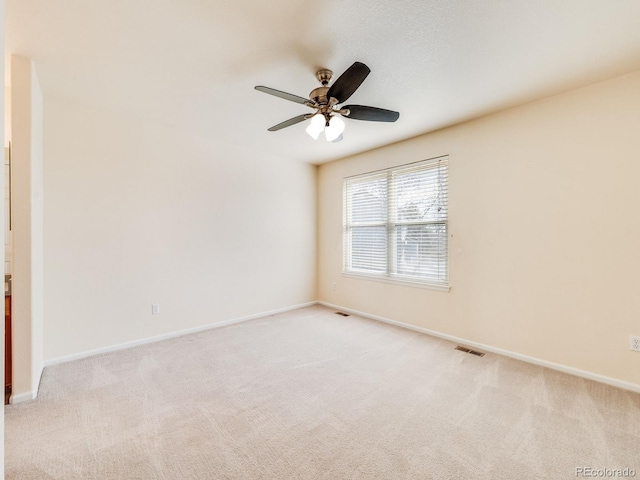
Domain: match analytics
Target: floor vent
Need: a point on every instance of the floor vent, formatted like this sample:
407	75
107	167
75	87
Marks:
342	314
468	350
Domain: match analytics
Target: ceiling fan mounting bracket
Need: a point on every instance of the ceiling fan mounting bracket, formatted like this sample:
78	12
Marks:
324	76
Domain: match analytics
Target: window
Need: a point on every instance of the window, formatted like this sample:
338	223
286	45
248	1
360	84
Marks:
395	223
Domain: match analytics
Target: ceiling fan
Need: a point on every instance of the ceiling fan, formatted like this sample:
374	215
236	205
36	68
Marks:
325	99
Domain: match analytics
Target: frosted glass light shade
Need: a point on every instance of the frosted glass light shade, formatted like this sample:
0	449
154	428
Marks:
315	127
335	128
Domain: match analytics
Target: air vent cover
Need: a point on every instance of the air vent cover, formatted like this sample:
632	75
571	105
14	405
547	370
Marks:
468	350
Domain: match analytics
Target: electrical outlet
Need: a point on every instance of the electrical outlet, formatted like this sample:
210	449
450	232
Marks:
634	343
155	309
334	286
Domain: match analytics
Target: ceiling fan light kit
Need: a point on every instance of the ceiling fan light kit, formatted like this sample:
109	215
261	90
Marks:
316	126
334	129
324	100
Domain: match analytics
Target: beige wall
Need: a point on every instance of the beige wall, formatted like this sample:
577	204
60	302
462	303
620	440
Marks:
136	214
27	208
545	231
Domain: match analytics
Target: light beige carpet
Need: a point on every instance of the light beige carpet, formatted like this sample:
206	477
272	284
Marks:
312	395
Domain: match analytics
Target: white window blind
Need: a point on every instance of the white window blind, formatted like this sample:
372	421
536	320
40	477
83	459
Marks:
395	223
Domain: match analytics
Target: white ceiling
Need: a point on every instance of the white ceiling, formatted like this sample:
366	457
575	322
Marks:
193	64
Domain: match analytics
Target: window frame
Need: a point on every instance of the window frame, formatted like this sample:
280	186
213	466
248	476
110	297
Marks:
391	224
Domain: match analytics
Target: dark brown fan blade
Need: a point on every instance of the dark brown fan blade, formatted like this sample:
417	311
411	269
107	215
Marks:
285	95
348	82
372	114
288	123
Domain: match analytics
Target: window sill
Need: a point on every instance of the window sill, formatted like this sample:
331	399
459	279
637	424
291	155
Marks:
397	281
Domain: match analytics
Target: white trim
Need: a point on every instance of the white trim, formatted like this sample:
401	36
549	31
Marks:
165	336
30	394
596	377
38	380
396	281
21	397
427	162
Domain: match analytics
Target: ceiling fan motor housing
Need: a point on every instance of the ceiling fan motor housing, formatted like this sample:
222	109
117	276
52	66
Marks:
319	95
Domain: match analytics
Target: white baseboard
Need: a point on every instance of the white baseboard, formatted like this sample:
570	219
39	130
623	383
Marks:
165	336
507	353
29	395
21	397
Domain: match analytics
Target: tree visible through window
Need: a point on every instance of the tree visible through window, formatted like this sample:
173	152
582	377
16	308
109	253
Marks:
395	223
